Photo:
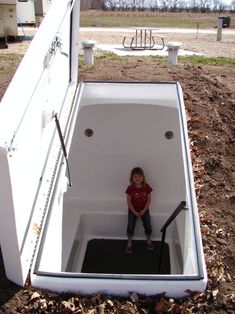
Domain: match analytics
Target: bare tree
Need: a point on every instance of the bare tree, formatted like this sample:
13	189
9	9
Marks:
110	4
173	5
85	4
92	4
164	5
205	5
219	5
97	4
139	5
194	5
232	5
122	4
153	5
132	4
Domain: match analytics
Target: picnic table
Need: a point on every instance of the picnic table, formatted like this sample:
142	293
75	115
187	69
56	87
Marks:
144	38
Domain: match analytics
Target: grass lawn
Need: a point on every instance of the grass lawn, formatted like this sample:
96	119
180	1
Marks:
196	60
154	19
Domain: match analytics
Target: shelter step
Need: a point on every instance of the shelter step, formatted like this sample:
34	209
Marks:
108	256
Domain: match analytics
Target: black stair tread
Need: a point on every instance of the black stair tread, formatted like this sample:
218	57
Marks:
108	256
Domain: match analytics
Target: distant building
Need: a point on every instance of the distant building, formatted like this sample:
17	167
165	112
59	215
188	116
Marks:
8	25
42	7
25	12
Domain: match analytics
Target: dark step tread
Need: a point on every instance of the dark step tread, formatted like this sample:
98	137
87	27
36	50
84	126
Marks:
109	257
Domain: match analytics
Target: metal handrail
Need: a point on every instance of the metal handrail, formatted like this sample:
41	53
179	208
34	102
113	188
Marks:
63	147
164	227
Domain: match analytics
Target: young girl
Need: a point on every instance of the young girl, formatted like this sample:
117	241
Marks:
138	201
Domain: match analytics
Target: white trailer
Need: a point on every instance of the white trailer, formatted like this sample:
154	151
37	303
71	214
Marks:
8	20
42	7
25	12
59	233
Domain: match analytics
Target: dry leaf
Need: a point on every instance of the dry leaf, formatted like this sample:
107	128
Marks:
35	295
214	293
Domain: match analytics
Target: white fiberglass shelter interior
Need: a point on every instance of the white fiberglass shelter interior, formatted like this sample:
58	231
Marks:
73	237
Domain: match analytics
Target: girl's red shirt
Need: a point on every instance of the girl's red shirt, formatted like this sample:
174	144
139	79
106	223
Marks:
139	196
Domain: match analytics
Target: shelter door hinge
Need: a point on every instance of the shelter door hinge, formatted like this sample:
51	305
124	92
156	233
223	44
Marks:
11	149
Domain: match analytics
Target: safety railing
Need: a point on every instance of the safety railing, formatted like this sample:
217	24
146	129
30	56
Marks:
176	212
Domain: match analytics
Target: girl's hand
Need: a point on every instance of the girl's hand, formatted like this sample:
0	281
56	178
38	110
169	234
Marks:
142	213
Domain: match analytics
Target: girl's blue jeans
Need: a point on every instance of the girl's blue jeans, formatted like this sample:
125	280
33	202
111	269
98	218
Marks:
132	221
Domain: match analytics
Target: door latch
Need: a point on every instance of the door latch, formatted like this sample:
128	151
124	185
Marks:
55	45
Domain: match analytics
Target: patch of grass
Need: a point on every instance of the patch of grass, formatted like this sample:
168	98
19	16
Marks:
153	21
157	19
111	56
9	57
104	57
199	60
207	60
8	64
160	59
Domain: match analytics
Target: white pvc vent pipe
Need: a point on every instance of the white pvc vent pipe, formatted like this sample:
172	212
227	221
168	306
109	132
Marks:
173	50
88	47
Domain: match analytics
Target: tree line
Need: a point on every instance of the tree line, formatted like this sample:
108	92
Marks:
160	5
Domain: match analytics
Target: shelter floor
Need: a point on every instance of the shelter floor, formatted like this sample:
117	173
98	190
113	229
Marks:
109	257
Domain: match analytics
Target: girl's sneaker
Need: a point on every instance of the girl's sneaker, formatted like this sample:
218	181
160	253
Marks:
150	246
129	250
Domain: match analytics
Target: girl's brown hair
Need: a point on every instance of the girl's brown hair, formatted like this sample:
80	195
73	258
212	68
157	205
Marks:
139	171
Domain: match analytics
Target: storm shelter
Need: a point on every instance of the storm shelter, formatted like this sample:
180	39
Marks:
116	127
66	155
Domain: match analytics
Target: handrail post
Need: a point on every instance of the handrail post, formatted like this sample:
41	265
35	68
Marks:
163	230
161	250
63	147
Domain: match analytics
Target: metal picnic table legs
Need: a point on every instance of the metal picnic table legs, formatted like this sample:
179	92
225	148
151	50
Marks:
142	40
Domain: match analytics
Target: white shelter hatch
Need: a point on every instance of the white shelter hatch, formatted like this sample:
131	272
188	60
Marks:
72	237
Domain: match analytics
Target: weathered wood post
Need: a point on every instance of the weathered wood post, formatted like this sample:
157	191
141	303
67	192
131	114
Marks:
219	29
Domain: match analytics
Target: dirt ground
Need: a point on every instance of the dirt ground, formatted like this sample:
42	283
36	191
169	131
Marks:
210	104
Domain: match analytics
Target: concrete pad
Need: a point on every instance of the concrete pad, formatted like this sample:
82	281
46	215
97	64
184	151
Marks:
121	51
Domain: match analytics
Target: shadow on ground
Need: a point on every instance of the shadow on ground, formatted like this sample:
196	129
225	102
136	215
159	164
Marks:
7	288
